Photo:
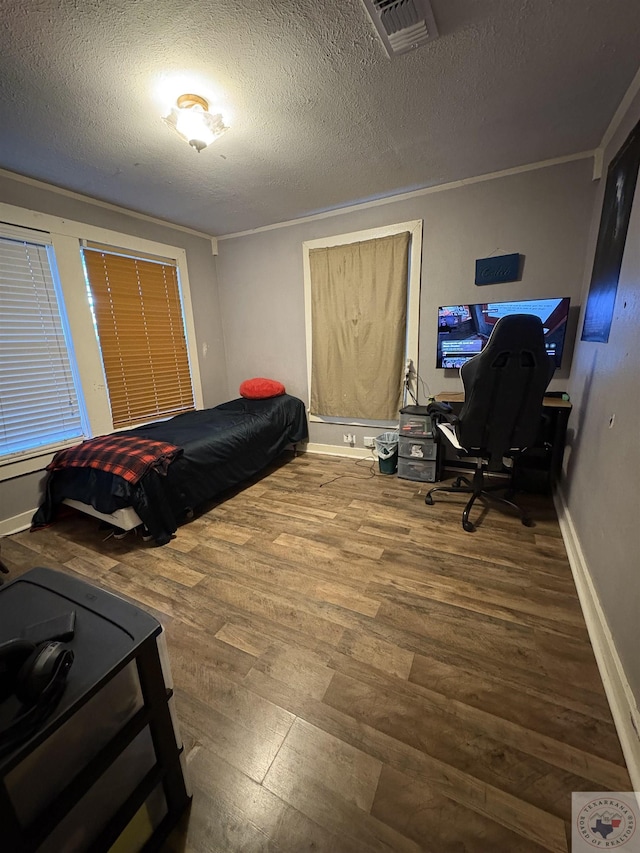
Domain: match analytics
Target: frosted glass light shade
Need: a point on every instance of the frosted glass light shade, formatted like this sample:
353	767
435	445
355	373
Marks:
194	123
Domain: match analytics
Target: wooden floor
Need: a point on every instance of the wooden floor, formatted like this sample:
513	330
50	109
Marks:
355	673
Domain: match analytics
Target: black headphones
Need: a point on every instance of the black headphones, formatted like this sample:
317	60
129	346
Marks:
36	676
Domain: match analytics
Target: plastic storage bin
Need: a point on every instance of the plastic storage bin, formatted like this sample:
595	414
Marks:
417	448
415	422
417	469
417	445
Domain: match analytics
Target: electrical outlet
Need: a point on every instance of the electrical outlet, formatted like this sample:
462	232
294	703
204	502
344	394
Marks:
369	441
348	438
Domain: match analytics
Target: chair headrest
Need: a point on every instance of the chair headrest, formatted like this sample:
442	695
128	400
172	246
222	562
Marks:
517	331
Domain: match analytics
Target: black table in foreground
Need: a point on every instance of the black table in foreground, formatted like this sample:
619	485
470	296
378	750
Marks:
105	770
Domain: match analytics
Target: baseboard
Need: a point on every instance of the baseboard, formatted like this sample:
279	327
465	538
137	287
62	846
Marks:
17	523
619	694
336	450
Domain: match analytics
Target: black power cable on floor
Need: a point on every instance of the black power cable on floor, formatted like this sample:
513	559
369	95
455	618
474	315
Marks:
372	472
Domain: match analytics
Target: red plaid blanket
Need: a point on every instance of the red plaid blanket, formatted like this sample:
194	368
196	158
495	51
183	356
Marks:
127	456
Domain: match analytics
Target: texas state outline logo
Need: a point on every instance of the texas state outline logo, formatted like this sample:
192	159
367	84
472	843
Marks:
605	821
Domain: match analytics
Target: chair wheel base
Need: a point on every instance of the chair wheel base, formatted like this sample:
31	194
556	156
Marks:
486	493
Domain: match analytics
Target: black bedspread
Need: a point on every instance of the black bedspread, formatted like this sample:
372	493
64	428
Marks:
223	447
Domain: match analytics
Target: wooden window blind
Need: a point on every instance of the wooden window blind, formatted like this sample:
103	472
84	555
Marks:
140	326
39	398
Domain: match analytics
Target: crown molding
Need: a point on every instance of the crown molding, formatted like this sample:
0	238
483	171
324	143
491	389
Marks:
106	205
390	199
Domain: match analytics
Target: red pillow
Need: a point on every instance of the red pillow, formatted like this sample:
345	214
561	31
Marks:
260	389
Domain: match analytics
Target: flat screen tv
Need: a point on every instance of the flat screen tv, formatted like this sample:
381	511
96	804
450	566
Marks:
463	330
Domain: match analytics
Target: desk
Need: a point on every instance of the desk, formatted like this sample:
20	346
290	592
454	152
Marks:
540	466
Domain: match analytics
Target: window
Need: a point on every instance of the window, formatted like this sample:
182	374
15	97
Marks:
362	306
53	388
139	321
40	400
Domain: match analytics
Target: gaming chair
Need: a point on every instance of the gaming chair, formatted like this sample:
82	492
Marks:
504	388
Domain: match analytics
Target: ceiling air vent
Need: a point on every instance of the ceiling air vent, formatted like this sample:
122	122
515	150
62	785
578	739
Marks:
402	25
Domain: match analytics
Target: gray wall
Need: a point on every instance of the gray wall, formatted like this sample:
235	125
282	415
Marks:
543	214
602	484
21	494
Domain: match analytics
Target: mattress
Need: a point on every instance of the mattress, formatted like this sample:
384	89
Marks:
222	447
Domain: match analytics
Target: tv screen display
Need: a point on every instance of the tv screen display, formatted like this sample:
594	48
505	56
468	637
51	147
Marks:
463	330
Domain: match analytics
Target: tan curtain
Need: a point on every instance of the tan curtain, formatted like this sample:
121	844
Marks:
138	315
359	318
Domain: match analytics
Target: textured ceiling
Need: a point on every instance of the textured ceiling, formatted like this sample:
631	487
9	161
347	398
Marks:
321	117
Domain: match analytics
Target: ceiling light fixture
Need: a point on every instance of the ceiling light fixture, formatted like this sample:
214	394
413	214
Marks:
193	121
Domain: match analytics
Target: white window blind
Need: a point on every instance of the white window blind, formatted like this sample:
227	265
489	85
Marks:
39	401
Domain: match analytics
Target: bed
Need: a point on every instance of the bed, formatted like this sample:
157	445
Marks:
219	448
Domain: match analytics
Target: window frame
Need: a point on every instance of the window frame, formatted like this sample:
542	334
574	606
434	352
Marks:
66	237
414	227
